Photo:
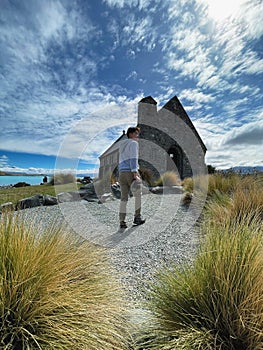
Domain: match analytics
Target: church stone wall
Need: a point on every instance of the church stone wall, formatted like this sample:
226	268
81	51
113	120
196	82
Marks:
168	141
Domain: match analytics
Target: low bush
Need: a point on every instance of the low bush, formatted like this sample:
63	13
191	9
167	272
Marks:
215	302
56	292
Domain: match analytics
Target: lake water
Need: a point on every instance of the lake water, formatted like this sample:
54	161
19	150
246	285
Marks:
12	180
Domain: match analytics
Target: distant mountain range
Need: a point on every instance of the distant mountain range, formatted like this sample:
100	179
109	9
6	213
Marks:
245	169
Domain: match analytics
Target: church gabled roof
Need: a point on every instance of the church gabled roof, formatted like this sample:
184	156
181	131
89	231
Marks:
175	106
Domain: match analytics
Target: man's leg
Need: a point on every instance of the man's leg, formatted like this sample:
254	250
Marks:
124	196
122	213
138	203
137	192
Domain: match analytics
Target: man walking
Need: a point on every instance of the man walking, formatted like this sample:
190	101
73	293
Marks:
129	177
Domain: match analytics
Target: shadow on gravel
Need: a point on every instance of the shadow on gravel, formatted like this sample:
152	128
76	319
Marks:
119	236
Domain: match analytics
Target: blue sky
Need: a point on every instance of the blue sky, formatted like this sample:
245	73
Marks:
73	71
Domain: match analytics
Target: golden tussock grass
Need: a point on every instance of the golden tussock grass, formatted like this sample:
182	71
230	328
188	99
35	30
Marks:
56	292
216	302
169	178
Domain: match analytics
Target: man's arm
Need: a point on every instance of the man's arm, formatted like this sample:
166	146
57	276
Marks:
134	152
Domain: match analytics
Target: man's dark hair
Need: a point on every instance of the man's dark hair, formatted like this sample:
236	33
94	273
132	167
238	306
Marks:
131	130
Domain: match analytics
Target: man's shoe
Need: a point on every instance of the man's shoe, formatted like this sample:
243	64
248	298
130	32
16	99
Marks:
123	224
138	221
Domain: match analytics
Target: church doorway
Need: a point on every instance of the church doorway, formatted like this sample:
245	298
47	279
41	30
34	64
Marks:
176	155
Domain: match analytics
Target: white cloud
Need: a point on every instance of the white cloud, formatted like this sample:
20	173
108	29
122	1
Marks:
251	18
139	31
51	18
187	39
133	75
220	13
130	3
245	89
254	66
236	58
226	157
247	134
196	95
118	3
189	54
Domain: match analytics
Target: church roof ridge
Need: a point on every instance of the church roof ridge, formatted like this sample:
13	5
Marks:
148	99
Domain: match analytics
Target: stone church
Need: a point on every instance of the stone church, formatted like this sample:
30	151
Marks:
168	142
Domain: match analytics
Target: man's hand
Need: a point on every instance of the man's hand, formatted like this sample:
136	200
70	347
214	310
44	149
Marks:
136	177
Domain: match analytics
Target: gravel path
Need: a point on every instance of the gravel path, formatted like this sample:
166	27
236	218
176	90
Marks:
168	234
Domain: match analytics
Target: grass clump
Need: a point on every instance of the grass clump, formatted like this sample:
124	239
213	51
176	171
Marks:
56	292
169	178
223	183
216	302
188	184
244	204
238	208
